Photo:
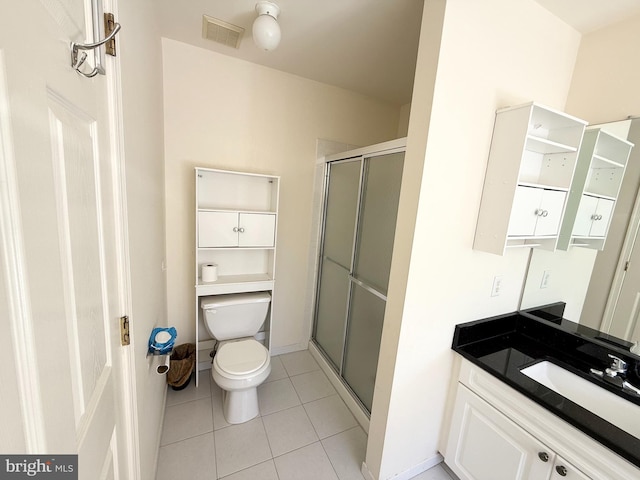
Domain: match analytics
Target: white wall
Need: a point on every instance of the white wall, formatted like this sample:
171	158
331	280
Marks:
607	74
493	54
140	57
221	112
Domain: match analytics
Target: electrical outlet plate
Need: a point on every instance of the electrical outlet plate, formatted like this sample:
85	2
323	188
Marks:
546	279
497	286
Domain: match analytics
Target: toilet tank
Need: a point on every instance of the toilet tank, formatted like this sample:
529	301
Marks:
236	315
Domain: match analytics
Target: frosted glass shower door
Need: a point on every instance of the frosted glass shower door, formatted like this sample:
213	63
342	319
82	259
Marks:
370	278
359	227
337	257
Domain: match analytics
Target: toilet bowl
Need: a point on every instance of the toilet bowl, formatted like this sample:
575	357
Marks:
238	368
240	363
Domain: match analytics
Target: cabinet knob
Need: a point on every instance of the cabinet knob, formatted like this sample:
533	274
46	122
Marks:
544	456
241	229
235	229
542	213
545	213
562	471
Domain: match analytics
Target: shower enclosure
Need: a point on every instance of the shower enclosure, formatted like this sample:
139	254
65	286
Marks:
359	219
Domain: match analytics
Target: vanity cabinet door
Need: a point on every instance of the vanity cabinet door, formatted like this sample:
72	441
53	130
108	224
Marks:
563	470
485	445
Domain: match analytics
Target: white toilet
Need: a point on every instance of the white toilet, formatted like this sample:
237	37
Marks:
241	363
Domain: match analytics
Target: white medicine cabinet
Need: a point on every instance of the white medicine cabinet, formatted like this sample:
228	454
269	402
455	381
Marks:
236	230
596	185
533	155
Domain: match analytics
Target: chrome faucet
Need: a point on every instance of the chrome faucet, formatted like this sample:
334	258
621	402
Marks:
618	366
616	373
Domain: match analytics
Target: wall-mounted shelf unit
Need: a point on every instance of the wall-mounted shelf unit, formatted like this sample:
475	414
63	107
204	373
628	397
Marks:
236	229
533	156
601	166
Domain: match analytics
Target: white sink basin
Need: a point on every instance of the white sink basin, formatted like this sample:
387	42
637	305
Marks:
608	406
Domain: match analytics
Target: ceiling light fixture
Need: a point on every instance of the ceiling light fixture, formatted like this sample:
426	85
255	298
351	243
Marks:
266	31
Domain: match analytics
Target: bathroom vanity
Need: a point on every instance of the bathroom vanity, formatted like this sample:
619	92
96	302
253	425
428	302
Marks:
527	406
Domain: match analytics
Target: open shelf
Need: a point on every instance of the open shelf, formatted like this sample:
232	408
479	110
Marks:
544	145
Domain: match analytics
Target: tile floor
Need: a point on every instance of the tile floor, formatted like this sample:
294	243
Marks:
304	431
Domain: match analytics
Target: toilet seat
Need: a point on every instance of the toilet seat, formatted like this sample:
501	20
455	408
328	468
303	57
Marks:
241	359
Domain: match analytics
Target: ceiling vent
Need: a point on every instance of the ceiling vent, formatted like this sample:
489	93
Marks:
221	32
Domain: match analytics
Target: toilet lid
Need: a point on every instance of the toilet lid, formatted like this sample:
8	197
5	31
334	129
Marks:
242	358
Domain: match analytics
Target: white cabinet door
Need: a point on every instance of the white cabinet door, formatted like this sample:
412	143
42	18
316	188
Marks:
563	470
593	217
550	212
604	210
524	214
536	212
256	230
485	445
232	229
587	208
217	229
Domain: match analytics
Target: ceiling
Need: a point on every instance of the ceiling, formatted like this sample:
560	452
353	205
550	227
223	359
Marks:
368	46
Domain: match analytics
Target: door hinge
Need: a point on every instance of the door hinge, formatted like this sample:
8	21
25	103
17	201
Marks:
124	330
626	265
109	26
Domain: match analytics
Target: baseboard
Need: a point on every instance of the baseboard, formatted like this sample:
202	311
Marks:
407	474
347	398
296	347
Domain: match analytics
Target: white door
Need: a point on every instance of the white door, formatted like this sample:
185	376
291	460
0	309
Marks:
485	445
256	230
62	249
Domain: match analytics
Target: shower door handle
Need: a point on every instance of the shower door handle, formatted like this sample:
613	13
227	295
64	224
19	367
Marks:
368	288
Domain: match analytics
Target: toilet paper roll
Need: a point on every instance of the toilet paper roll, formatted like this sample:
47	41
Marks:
209	272
164	362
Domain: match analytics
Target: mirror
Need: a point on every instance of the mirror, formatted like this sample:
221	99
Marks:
599	293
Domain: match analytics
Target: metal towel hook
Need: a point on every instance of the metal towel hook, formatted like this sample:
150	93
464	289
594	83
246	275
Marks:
77	58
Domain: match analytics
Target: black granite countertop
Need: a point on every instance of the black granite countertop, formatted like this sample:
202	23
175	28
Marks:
503	345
